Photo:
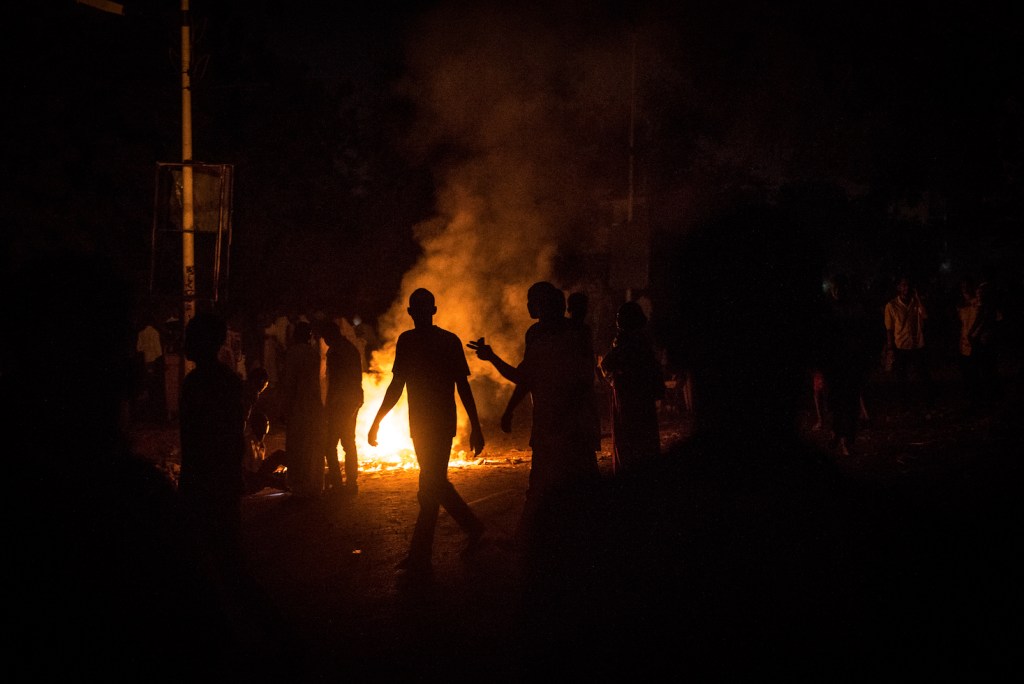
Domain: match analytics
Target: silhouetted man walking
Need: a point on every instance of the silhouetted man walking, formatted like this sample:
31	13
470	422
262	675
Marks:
431	362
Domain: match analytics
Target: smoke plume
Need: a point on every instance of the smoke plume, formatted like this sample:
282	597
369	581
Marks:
528	114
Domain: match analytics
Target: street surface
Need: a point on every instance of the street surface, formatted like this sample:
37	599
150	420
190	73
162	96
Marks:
328	567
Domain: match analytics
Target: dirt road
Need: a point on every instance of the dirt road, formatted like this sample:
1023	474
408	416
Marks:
328	567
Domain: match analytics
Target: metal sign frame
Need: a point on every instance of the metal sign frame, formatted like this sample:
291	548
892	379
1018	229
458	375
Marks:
213	190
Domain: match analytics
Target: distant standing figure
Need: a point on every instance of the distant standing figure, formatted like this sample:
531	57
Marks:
151	352
578	306
431	362
344	397
967	313
633	371
212	414
303	412
257	426
819	390
348	331
904	319
846	360
366	332
984	338
272	360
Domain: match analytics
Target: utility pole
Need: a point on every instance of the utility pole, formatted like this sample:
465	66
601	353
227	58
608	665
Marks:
632	145
632	132
188	256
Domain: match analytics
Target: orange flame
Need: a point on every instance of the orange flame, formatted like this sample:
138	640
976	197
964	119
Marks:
394	450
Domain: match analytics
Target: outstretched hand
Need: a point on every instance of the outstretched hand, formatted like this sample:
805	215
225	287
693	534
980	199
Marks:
506	422
482	349
371	437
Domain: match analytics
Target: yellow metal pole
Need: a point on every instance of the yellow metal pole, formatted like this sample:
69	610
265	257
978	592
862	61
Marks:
632	140
188	213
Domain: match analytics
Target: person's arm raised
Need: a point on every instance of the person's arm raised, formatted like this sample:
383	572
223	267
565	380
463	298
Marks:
484	352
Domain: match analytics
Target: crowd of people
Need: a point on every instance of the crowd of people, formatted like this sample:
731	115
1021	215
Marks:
316	383
747	549
853	343
847	356
758	520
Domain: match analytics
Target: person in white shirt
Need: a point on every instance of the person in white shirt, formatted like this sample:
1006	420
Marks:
151	354
904	317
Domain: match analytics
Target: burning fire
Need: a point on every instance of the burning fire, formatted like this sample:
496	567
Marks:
394	450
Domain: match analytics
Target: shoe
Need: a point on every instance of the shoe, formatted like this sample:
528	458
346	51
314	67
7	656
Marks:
351	489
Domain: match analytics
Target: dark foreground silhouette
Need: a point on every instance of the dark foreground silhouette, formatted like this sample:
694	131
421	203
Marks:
102	582
744	550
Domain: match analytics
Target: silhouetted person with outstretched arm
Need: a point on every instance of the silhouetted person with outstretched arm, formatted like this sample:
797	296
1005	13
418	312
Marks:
430	361
763	555
557	370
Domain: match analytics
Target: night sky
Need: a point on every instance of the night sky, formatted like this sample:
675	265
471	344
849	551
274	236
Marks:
366	143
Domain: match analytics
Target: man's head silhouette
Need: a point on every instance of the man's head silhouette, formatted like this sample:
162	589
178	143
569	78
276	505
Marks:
578	303
630	317
421	306
204	336
545	301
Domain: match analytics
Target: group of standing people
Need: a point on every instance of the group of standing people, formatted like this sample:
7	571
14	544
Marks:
557	371
321	392
217	416
847	353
